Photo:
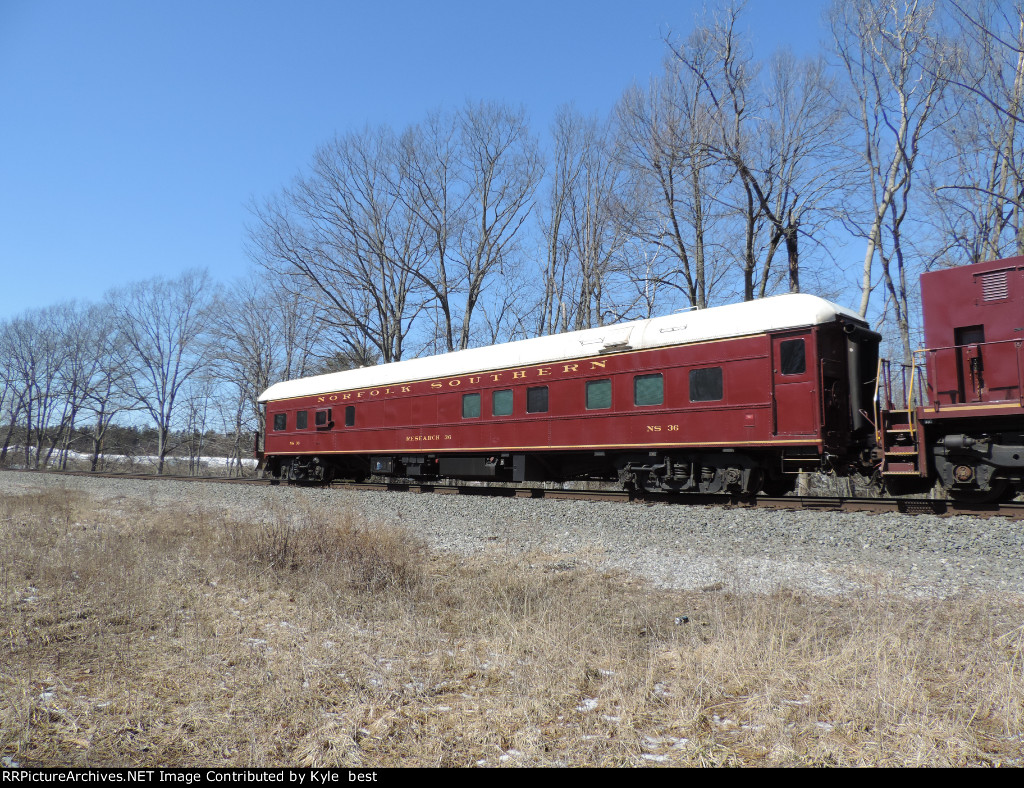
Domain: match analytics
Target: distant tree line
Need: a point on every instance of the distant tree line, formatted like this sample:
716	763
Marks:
723	178
183	360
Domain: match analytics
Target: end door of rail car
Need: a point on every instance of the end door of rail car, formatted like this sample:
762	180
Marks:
794	380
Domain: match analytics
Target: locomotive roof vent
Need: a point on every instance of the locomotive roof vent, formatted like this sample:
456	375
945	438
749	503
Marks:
994	286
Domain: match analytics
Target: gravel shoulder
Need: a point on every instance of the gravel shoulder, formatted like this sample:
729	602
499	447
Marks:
678	547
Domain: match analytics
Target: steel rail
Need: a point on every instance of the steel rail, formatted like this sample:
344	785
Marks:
942	507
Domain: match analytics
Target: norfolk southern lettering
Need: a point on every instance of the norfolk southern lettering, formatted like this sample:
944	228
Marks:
508	375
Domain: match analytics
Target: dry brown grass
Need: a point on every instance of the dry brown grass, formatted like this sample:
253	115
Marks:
144	637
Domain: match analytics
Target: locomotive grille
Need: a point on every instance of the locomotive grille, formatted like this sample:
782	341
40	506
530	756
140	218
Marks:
994	287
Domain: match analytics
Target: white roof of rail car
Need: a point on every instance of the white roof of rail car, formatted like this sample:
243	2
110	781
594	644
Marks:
750	317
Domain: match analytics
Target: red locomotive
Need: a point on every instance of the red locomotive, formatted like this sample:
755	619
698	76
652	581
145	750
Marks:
960	416
735	398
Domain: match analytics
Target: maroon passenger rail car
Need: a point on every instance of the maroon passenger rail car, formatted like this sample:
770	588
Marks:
969	431
733	398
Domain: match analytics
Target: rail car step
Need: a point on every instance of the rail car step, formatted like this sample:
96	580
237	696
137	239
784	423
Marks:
901	467
908	451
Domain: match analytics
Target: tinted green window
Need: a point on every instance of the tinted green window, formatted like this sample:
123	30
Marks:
792	359
301	420
470	406
648	390
706	384
280	421
537	400
599	394
501	403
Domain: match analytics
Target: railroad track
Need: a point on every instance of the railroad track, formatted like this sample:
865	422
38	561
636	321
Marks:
1014	511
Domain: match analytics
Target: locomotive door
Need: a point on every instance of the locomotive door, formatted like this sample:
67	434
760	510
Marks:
793	381
970	369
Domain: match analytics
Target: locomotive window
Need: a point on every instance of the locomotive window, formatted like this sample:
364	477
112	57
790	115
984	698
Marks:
706	384
301	420
599	394
969	335
792	359
280	421
501	403
470	406
323	419
537	400
350	415
648	390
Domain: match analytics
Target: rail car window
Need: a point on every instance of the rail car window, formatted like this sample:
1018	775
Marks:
706	384
649	389
792	358
323	419
301	420
501	403
280	421
537	400
350	415
470	406
599	394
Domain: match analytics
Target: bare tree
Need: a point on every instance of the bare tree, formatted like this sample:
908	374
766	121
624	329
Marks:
980	187
265	333
588	228
107	375
502	169
775	138
552	314
198	412
344	238
897	69
163	329
12	392
718	63
429	181
37	343
664	142
74	376
797	171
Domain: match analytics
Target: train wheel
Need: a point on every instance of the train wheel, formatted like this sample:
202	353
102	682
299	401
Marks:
999	491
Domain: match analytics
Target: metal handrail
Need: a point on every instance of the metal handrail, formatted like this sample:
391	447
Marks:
954	347
909	391
884	386
1020	369
878	409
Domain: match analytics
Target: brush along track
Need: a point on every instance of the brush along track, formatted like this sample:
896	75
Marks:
735	547
1013	511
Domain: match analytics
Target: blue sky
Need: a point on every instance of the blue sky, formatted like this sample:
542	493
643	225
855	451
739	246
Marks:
134	134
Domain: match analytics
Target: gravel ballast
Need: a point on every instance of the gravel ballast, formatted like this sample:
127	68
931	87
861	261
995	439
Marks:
678	547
